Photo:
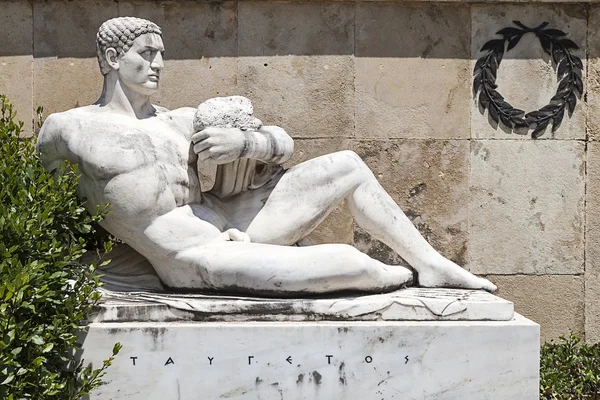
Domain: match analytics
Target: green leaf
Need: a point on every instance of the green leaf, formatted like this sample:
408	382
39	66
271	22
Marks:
44	230
116	348
36	339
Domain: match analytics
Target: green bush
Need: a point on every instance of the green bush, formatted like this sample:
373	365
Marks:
45	293
569	370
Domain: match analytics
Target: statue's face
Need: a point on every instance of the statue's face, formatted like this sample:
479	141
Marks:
140	67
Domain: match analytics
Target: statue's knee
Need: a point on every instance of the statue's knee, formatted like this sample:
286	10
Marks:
350	161
350	155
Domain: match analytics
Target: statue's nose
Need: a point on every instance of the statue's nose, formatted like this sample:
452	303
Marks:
157	62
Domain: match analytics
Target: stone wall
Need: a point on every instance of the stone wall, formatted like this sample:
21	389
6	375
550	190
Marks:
392	81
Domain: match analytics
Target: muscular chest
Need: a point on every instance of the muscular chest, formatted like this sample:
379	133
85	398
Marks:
116	149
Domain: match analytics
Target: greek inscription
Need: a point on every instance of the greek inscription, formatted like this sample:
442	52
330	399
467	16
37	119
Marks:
133	359
328	359
250	360
289	359
406	358
210	360
170	361
368	359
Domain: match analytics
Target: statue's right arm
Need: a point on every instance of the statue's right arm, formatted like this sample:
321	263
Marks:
52	144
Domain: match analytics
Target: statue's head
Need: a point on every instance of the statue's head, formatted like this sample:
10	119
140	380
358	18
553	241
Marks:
133	48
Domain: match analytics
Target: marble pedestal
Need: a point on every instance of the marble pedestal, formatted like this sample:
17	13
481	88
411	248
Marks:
344	359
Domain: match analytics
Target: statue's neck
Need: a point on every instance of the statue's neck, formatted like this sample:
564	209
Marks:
120	99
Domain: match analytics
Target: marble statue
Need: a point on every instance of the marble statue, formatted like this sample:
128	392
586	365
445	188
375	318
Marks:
237	237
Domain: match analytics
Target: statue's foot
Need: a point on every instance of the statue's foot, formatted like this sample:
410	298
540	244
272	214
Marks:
400	275
445	273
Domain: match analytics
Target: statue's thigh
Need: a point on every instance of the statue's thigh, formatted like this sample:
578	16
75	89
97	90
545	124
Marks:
242	208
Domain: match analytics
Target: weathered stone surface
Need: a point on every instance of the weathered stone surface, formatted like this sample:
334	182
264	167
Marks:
338	226
315	360
526	77
65	57
556	302
429	181
308	89
412	62
16	82
201	49
226	112
275	29
592	245
194	81
592	306
16	68
593	81
407	304
307	96
526	207
79	79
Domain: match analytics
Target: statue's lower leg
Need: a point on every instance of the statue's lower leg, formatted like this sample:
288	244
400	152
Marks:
318	185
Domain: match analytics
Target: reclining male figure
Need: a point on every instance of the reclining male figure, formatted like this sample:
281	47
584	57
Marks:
141	159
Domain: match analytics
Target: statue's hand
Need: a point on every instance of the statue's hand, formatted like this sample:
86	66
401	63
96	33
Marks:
220	145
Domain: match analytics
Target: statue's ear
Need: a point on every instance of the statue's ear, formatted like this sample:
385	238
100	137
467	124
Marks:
112	58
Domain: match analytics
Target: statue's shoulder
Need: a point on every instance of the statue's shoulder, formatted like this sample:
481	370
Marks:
186	113
182	117
54	128
63	122
58	130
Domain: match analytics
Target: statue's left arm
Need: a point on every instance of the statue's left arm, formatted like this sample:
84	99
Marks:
269	144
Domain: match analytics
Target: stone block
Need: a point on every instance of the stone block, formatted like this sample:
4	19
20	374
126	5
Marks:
293	70
428	179
338	226
412	62
187	83
592	244
79	80
526	207
76	39
16	82
408	304
318	360
526	77
556	302
201	48
16	58
593	81
293	28
66	72
307	96
592	306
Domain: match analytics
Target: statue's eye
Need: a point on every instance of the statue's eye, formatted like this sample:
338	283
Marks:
147	53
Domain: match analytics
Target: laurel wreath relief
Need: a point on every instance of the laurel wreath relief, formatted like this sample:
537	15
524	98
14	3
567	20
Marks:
568	70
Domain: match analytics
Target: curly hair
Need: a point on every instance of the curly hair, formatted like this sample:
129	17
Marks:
119	33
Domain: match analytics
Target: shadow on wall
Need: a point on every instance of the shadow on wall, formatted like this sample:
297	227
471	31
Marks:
230	29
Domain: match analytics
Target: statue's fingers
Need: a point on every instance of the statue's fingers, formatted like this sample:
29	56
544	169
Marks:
202	146
199	136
